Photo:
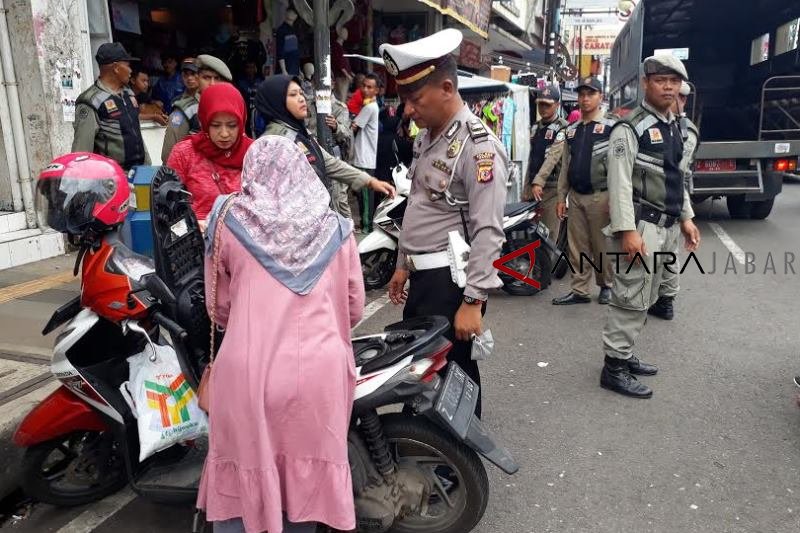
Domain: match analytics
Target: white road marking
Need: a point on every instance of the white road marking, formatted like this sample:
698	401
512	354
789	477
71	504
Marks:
373	308
101	511
729	243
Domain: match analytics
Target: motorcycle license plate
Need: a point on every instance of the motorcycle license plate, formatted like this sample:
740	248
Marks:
457	399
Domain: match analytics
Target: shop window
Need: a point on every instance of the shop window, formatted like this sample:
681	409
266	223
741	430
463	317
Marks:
759	50
786	38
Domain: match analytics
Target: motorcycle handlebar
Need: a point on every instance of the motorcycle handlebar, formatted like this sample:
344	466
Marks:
169	324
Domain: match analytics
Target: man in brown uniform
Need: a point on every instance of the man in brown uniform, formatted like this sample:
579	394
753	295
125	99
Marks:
458	184
583	179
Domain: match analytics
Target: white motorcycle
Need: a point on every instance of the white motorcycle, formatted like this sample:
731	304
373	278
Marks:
521	224
378	250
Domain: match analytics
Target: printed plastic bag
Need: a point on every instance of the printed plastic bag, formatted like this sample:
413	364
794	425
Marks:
164	404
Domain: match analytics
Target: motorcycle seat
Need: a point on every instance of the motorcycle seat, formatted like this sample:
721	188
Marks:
402	339
516	208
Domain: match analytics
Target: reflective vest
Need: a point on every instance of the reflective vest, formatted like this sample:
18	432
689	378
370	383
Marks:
188	106
544	135
588	148
657	179
119	136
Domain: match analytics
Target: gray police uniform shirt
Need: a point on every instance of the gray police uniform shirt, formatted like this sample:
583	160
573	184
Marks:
480	177
179	125
622	149
690	144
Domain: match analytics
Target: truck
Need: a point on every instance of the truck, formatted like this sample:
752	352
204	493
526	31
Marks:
743	60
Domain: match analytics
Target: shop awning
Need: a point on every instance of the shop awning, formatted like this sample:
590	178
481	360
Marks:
474	14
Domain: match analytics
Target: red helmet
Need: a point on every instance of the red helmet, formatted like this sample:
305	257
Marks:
80	192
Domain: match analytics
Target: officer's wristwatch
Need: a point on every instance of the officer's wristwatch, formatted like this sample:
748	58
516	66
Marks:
472	301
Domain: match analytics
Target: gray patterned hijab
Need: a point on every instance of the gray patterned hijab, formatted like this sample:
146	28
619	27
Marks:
282	216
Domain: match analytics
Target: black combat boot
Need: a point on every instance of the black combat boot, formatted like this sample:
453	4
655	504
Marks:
617	377
663	308
640	368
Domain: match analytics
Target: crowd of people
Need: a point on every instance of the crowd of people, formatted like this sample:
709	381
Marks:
276	215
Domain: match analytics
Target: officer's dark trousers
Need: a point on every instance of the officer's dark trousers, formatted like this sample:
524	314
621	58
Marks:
432	292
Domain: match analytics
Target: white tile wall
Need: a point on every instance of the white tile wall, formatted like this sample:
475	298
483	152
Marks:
5	256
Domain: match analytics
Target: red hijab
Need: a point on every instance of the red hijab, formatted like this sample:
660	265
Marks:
222	98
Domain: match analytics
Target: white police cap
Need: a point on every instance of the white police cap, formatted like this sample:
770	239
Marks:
665	64
411	62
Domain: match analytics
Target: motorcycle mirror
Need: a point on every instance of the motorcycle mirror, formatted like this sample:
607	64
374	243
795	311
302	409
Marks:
158	288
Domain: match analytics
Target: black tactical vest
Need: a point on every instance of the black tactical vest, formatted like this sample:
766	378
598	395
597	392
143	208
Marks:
120	135
657	179
542	141
588	147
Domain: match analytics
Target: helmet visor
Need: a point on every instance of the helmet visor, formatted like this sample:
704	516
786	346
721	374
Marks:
69	204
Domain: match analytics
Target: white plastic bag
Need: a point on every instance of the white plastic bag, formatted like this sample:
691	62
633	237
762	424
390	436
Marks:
164	404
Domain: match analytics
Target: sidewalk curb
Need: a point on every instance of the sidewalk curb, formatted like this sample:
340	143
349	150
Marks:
11	414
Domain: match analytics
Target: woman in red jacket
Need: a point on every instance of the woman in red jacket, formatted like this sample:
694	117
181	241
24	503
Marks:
209	163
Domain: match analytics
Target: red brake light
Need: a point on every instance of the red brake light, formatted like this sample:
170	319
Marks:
781	165
439	359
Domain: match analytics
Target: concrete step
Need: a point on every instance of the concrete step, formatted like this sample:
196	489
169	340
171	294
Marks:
12	222
29	245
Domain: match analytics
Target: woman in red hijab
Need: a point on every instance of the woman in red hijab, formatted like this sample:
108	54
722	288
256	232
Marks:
209	163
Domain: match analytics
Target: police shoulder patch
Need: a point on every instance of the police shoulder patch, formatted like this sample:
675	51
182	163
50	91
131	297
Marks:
83	112
485	166
619	148
560	136
176	118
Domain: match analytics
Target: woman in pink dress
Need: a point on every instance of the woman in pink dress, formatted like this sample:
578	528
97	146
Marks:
289	290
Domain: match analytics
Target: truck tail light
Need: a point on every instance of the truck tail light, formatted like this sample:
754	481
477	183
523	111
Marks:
785	165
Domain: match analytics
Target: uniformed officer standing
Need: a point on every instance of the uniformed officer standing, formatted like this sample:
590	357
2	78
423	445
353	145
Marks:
459	175
547	145
650	207
583	178
183	120
107	113
663	308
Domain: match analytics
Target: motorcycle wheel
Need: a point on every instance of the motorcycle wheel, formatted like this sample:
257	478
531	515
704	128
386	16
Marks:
460	484
541	273
76	469
378	267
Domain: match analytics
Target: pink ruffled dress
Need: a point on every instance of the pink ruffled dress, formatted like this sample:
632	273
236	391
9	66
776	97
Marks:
282	391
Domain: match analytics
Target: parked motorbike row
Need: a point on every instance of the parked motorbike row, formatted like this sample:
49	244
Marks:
521	223
416	470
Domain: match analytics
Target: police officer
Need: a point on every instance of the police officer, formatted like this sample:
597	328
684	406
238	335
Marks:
663	308
650	207
183	120
107	113
583	179
547	145
459	174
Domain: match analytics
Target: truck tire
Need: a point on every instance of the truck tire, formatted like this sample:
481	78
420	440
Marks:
738	207
761	209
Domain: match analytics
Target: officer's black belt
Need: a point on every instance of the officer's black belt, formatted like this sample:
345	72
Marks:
654	216
590	191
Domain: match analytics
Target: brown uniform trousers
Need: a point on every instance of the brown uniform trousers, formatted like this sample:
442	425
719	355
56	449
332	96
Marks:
588	215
